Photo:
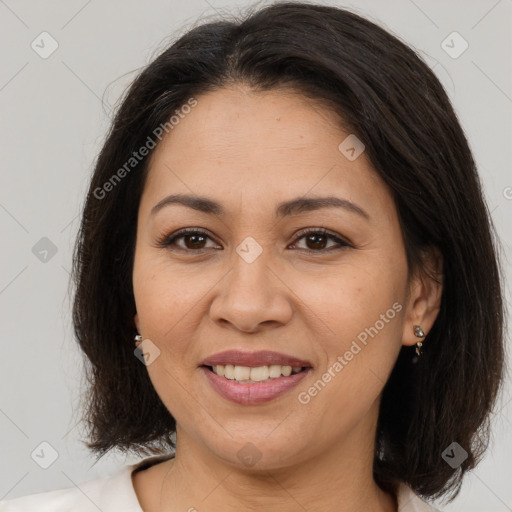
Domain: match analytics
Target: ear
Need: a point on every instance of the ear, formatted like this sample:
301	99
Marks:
424	297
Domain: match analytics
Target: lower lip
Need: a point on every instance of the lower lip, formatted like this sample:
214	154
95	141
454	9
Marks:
256	393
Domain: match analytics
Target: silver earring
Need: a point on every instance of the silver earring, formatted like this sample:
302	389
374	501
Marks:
138	339
418	332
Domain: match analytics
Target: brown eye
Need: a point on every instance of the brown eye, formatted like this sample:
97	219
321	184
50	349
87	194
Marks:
316	240
193	240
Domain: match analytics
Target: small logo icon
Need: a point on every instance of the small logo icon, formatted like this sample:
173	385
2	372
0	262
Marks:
44	45
454	45
249	249
44	250
249	455
352	147
44	455
454	455
147	352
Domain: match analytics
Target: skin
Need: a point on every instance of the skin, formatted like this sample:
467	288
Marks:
249	151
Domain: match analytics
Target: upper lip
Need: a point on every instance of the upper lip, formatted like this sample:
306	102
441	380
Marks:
253	359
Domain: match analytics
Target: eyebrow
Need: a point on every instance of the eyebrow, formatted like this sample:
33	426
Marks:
286	208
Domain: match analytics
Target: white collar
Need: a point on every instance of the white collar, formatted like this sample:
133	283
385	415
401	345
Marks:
410	501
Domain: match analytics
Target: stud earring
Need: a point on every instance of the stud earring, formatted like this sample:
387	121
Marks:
418	332
138	339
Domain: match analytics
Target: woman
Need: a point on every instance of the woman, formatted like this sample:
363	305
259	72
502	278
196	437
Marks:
277	266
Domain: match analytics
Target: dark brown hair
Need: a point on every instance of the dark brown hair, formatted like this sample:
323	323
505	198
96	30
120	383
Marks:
394	103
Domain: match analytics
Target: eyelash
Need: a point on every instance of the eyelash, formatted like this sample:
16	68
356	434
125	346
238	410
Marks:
169	240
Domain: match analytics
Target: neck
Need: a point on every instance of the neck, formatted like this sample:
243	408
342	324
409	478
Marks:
340	480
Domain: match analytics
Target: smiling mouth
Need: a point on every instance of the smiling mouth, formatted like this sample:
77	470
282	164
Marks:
254	385
248	374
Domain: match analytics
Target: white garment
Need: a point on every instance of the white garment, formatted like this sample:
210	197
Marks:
116	494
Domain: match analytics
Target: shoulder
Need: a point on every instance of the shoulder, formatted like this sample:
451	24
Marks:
409	501
108	493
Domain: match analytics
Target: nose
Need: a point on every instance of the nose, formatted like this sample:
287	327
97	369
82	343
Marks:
252	296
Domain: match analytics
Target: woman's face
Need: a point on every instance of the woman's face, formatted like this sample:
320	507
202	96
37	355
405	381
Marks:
253	283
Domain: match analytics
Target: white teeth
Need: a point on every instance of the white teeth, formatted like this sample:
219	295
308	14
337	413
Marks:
259	373
242	372
229	371
286	370
254	374
275	371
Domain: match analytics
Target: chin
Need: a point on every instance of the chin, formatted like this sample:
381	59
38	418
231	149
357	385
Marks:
258	452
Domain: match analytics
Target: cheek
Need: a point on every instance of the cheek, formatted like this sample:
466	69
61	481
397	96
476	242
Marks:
170	305
165	300
349	297
356	320
163	293
361	324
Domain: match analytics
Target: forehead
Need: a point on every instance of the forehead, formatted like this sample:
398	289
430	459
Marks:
238	142
239	118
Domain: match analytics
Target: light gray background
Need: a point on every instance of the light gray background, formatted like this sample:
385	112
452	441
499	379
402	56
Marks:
53	124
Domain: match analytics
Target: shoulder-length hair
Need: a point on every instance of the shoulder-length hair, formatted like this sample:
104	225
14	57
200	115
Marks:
394	103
